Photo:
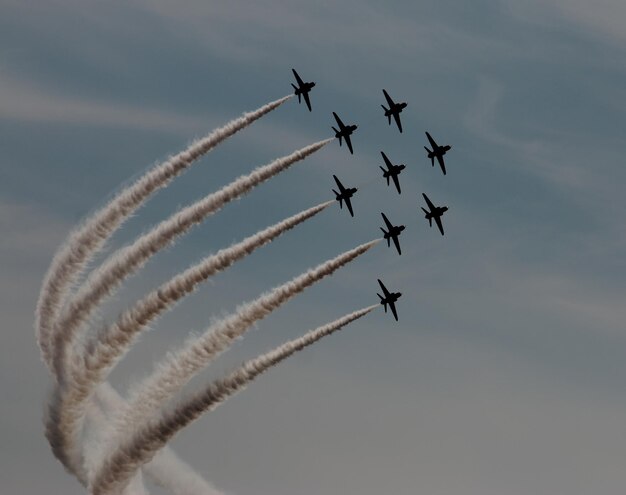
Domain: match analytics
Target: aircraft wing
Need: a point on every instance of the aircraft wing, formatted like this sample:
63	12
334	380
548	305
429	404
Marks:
349	205
390	102
396	241
396	181
438	220
387	222
306	99
385	291
295	74
393	310
396	117
349	143
430	204
431	141
387	162
339	122
339	184
441	164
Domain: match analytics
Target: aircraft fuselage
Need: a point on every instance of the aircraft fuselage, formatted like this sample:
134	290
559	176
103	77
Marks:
438	151
395	108
346	131
347	193
305	88
436	212
394	170
391	298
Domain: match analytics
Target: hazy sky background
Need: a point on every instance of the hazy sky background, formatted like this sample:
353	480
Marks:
506	372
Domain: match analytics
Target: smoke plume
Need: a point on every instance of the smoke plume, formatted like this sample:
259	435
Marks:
119	468
179	367
127	260
85	241
100	355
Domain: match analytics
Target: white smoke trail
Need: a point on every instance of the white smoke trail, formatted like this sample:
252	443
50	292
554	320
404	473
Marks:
166	469
181	366
82	244
73	256
134	451
127	260
101	354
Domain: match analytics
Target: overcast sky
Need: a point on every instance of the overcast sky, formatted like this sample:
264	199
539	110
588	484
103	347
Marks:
506	371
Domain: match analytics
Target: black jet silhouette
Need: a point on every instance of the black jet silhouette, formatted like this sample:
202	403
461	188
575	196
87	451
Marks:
437	151
435	212
302	89
392	171
344	132
344	195
390	298
394	109
392	233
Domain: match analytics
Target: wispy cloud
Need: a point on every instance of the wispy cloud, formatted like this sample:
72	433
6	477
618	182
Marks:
26	101
603	18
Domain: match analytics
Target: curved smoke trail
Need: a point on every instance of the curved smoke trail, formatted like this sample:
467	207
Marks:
166	469
179	367
82	244
128	259
118	469
101	355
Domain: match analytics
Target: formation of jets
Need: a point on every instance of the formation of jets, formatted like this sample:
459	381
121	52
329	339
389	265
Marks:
391	171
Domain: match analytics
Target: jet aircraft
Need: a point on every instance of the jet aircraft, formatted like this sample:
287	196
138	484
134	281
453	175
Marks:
392	171
344	132
437	151
344	195
390	298
394	109
435	212
392	233
302	89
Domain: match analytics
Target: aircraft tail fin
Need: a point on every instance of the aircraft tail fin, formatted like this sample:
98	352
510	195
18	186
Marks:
297	92
338	198
382	301
337	135
385	175
387	113
386	236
